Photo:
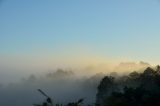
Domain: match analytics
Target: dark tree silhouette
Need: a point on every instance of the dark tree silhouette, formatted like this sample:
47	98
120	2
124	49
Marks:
137	89
48	101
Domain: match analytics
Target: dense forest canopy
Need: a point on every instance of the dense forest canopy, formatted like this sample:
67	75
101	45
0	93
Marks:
136	89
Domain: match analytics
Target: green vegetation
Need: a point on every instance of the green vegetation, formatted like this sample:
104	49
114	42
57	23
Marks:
48	101
135	89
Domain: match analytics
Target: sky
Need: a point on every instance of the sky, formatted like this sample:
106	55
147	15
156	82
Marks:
45	33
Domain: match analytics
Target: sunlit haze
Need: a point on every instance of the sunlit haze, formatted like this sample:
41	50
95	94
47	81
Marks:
37	36
79	52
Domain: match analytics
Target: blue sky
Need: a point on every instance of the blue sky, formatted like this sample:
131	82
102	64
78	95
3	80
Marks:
115	29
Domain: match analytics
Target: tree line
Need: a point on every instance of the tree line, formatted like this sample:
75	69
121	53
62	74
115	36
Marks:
134	89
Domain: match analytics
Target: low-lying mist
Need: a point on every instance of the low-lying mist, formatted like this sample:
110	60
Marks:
63	85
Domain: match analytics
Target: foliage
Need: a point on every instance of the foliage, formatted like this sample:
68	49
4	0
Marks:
137	89
48	101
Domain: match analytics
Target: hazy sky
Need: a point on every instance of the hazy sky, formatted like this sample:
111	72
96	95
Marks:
43	32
